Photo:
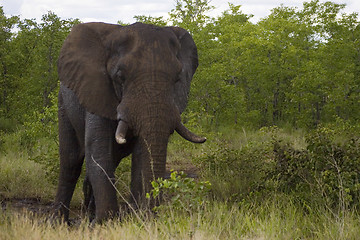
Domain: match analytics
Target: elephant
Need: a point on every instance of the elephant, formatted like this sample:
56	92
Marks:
122	92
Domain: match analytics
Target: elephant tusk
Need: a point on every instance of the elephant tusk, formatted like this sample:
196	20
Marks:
188	135
121	131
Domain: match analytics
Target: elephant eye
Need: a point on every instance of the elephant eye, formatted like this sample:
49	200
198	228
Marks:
179	67
120	74
180	75
118	87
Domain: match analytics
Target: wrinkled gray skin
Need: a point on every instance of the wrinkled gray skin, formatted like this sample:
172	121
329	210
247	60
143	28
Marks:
122	90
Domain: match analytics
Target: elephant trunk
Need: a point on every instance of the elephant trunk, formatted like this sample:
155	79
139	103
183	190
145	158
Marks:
148	160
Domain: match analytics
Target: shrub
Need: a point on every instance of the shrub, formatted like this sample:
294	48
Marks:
327	170
40	138
236	173
180	192
321	168
7	125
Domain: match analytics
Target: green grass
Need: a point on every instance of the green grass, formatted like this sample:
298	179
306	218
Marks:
22	178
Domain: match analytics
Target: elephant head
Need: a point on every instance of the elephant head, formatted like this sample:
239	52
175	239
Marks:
138	75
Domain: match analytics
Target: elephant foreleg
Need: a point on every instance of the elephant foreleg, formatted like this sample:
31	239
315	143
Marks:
100	165
71	160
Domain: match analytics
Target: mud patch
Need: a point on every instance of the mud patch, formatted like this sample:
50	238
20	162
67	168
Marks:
32	205
36	209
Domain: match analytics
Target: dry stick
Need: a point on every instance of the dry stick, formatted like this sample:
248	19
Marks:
340	215
342	200
63	205
123	198
151	161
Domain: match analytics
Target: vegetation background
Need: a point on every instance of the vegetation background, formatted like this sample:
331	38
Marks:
279	101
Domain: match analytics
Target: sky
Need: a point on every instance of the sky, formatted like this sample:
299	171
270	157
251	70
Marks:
111	11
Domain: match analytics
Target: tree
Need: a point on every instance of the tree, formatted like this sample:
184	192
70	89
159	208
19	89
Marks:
327	84
34	53
296	66
190	14
216	92
159	21
6	36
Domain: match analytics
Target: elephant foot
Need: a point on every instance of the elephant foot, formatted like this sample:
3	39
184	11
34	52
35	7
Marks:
57	215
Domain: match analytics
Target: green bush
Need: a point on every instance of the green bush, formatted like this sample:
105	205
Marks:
180	193
237	171
7	125
39	137
327	171
321	167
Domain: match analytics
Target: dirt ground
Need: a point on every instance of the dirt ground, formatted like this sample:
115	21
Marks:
32	205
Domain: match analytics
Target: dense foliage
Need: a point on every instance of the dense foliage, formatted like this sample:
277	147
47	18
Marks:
296	66
28	70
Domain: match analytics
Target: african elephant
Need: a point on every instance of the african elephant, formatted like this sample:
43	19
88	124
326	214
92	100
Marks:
122	90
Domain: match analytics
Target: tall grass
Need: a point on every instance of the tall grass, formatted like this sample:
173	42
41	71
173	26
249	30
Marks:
244	203
22	178
277	219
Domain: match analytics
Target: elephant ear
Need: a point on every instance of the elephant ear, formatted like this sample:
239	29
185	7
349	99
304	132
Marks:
189	59
82	68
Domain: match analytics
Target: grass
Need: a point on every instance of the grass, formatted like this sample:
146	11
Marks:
22	178
278	219
276	216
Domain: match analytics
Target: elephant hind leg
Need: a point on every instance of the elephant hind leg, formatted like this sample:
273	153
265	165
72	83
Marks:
71	161
89	200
